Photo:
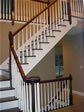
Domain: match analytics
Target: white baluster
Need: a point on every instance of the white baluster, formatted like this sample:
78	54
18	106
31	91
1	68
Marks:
42	97
18	46
53	16
54	94
30	39
51	95
18	5
68	92
45	96
38	96
37	34
48	95
60	92
23	45
30	96
40	28
47	21
57	93
26	10
50	22
21	10
27	88
34	34
36	105
63	92
44	27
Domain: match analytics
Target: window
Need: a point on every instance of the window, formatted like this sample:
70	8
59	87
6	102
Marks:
59	62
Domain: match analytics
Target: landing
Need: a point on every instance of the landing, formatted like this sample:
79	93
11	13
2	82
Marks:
78	105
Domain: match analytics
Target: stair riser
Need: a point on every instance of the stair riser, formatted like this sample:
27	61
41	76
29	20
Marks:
7	93
4	84
4	73
8	105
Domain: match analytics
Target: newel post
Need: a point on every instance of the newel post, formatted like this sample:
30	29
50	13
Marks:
12	12
35	96
71	97
69	11
10	65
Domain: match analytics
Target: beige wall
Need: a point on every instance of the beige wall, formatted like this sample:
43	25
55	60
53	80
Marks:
73	55
0	42
46	67
5	27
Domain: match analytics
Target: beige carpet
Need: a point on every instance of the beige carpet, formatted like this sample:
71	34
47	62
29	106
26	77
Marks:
78	105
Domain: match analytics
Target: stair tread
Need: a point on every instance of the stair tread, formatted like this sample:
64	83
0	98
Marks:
7	99
56	30
50	36
44	42
24	63
30	56
37	49
11	110
62	25
6	88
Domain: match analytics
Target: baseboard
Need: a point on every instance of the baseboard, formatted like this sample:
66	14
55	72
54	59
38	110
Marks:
78	92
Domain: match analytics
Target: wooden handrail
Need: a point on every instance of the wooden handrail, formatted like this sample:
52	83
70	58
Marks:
54	80
24	77
18	63
33	19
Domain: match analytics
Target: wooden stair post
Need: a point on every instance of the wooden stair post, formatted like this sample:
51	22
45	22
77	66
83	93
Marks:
33	81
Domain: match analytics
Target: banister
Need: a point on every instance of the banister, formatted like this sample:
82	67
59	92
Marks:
33	19
58	79
24	77
18	64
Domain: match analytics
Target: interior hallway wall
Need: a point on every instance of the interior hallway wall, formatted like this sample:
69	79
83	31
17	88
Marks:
45	69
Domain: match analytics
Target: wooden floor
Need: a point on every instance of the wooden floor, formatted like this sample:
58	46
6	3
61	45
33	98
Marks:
78	105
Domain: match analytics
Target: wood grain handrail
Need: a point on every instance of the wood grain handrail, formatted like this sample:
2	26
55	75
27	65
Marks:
33	19
24	77
58	79
18	63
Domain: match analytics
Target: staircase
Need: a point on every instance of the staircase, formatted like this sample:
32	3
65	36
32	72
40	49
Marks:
8	101
28	46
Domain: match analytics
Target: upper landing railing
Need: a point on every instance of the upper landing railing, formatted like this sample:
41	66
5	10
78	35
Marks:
24	10
20	10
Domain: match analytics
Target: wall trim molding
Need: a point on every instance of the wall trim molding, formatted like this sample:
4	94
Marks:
78	92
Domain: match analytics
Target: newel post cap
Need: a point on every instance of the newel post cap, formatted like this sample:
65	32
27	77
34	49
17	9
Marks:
33	79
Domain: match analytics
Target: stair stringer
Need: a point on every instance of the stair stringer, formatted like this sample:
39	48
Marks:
33	61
